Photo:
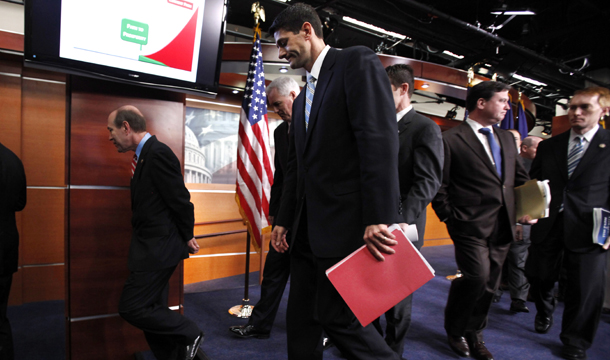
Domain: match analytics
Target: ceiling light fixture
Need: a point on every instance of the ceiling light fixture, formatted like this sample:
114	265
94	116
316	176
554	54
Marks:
425	85
235	91
375	28
528	80
513	12
283	70
447	52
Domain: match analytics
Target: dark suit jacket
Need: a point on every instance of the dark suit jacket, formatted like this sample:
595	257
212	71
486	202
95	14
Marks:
420	167
344	166
163	216
280	136
13	196
472	195
588	187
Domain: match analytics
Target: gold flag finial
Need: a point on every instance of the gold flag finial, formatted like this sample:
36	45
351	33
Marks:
259	12
470	75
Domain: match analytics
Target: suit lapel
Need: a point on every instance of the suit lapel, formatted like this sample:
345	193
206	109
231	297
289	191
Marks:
406	120
473	142
597	146
325	77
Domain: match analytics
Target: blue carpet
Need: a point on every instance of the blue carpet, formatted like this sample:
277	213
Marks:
39	329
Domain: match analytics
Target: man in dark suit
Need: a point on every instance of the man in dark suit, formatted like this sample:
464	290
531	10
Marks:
577	165
162	236
514	267
13	196
281	94
341	188
476	201
420	167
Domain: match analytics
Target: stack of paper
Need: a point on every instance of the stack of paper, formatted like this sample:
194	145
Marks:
533	198
371	287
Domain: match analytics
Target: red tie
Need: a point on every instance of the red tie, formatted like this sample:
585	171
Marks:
134	162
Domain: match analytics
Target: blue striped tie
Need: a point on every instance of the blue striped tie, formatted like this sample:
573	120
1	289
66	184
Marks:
575	155
311	89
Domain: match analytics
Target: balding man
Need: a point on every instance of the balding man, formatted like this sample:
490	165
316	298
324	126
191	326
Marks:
162	236
281	94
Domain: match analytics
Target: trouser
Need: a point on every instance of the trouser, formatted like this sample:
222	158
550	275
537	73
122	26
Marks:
7	351
144	304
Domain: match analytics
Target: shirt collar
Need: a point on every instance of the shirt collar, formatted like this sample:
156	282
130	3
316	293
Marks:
475	125
403	112
141	144
317	65
588	135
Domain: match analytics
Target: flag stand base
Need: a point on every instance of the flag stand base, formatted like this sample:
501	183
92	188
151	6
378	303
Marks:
242	311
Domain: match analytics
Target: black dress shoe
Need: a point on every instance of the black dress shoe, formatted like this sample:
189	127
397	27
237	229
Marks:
573	353
190	351
246	331
518	306
480	352
543	324
459	345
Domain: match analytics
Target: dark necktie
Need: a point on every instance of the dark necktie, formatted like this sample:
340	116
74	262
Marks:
495	149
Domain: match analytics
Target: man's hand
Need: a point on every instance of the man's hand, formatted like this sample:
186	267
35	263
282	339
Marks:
278	239
525	219
519	232
607	244
379	240
193	246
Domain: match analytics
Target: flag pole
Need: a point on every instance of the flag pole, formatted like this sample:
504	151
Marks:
245	309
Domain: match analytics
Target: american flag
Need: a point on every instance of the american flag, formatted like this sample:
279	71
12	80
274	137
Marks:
254	164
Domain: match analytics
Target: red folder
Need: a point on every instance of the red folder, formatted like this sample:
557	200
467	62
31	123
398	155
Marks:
371	287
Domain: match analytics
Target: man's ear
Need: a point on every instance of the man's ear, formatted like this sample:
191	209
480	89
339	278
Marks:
307	30
293	95
481	103
405	88
126	126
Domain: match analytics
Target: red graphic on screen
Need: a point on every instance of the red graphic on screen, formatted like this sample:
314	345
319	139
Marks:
178	54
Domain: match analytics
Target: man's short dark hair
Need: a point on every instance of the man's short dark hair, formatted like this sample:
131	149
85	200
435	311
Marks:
484	90
400	74
293	17
136	122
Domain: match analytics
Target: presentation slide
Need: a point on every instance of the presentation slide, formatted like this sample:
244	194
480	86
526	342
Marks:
158	37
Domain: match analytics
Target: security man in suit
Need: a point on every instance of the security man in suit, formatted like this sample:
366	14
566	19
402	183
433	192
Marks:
577	165
420	170
13	196
341	188
476	201
281	94
163	220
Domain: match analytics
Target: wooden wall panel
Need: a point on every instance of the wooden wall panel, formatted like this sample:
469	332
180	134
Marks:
43	234
101	164
560	124
16	295
216	267
10	103
105	338
42	283
44	132
436	231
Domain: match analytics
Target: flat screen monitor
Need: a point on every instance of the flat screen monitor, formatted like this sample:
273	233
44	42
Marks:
170	44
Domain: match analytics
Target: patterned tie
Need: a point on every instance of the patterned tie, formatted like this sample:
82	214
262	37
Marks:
134	162
495	149
311	89
575	155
